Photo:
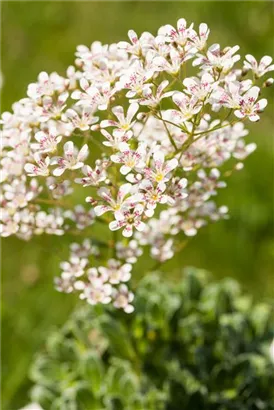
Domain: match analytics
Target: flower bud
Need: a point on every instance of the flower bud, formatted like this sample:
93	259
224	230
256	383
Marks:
244	71
91	200
239	166
269	82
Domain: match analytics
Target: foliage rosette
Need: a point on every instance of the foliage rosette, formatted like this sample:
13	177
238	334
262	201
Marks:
196	344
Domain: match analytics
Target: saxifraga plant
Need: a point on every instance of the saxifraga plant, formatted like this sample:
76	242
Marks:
193	345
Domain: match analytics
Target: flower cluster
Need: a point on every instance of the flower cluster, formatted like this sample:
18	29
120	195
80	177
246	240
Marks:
143	127
102	284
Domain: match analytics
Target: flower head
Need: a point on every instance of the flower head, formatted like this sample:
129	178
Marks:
258	68
72	159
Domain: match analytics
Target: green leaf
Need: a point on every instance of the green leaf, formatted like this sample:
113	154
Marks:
119	338
93	371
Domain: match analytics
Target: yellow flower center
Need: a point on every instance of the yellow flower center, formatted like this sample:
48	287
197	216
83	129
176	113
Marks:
130	163
159	177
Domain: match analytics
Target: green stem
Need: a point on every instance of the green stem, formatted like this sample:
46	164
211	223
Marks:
190	140
167	130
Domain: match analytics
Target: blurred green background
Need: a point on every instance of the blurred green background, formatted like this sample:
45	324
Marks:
40	36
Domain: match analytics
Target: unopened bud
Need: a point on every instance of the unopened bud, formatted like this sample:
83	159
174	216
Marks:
79	63
52	187
244	71
91	200
141	116
95	127
239	166
269	82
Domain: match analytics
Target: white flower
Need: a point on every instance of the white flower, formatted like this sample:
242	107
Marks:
74	268
249	106
82	121
83	250
123	298
47	142
231	96
190	227
130	159
261	68
52	109
128	219
46	85
94	96
123	201
129	252
64	283
199	88
136	81
72	158
136	45
209	183
177	189
200	40
116	272
160	172
153	195
217	59
41	167
179	36
59	189
97	290
117	138
92	176
189	106
148	97
172	64
124	123
81	216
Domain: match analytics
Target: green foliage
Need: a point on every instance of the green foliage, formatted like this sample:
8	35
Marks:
194	345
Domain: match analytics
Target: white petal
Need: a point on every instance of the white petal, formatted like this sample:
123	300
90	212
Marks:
124	190
69	147
127	232
159	157
133	36
203	28
58	171
140	226
113	226
251	60
84	84
29	168
101	209
171	164
254	117
179	99
83	153
43	77
133	108
262	103
239	114
266	61
129	309
183	182
252	93
125	170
